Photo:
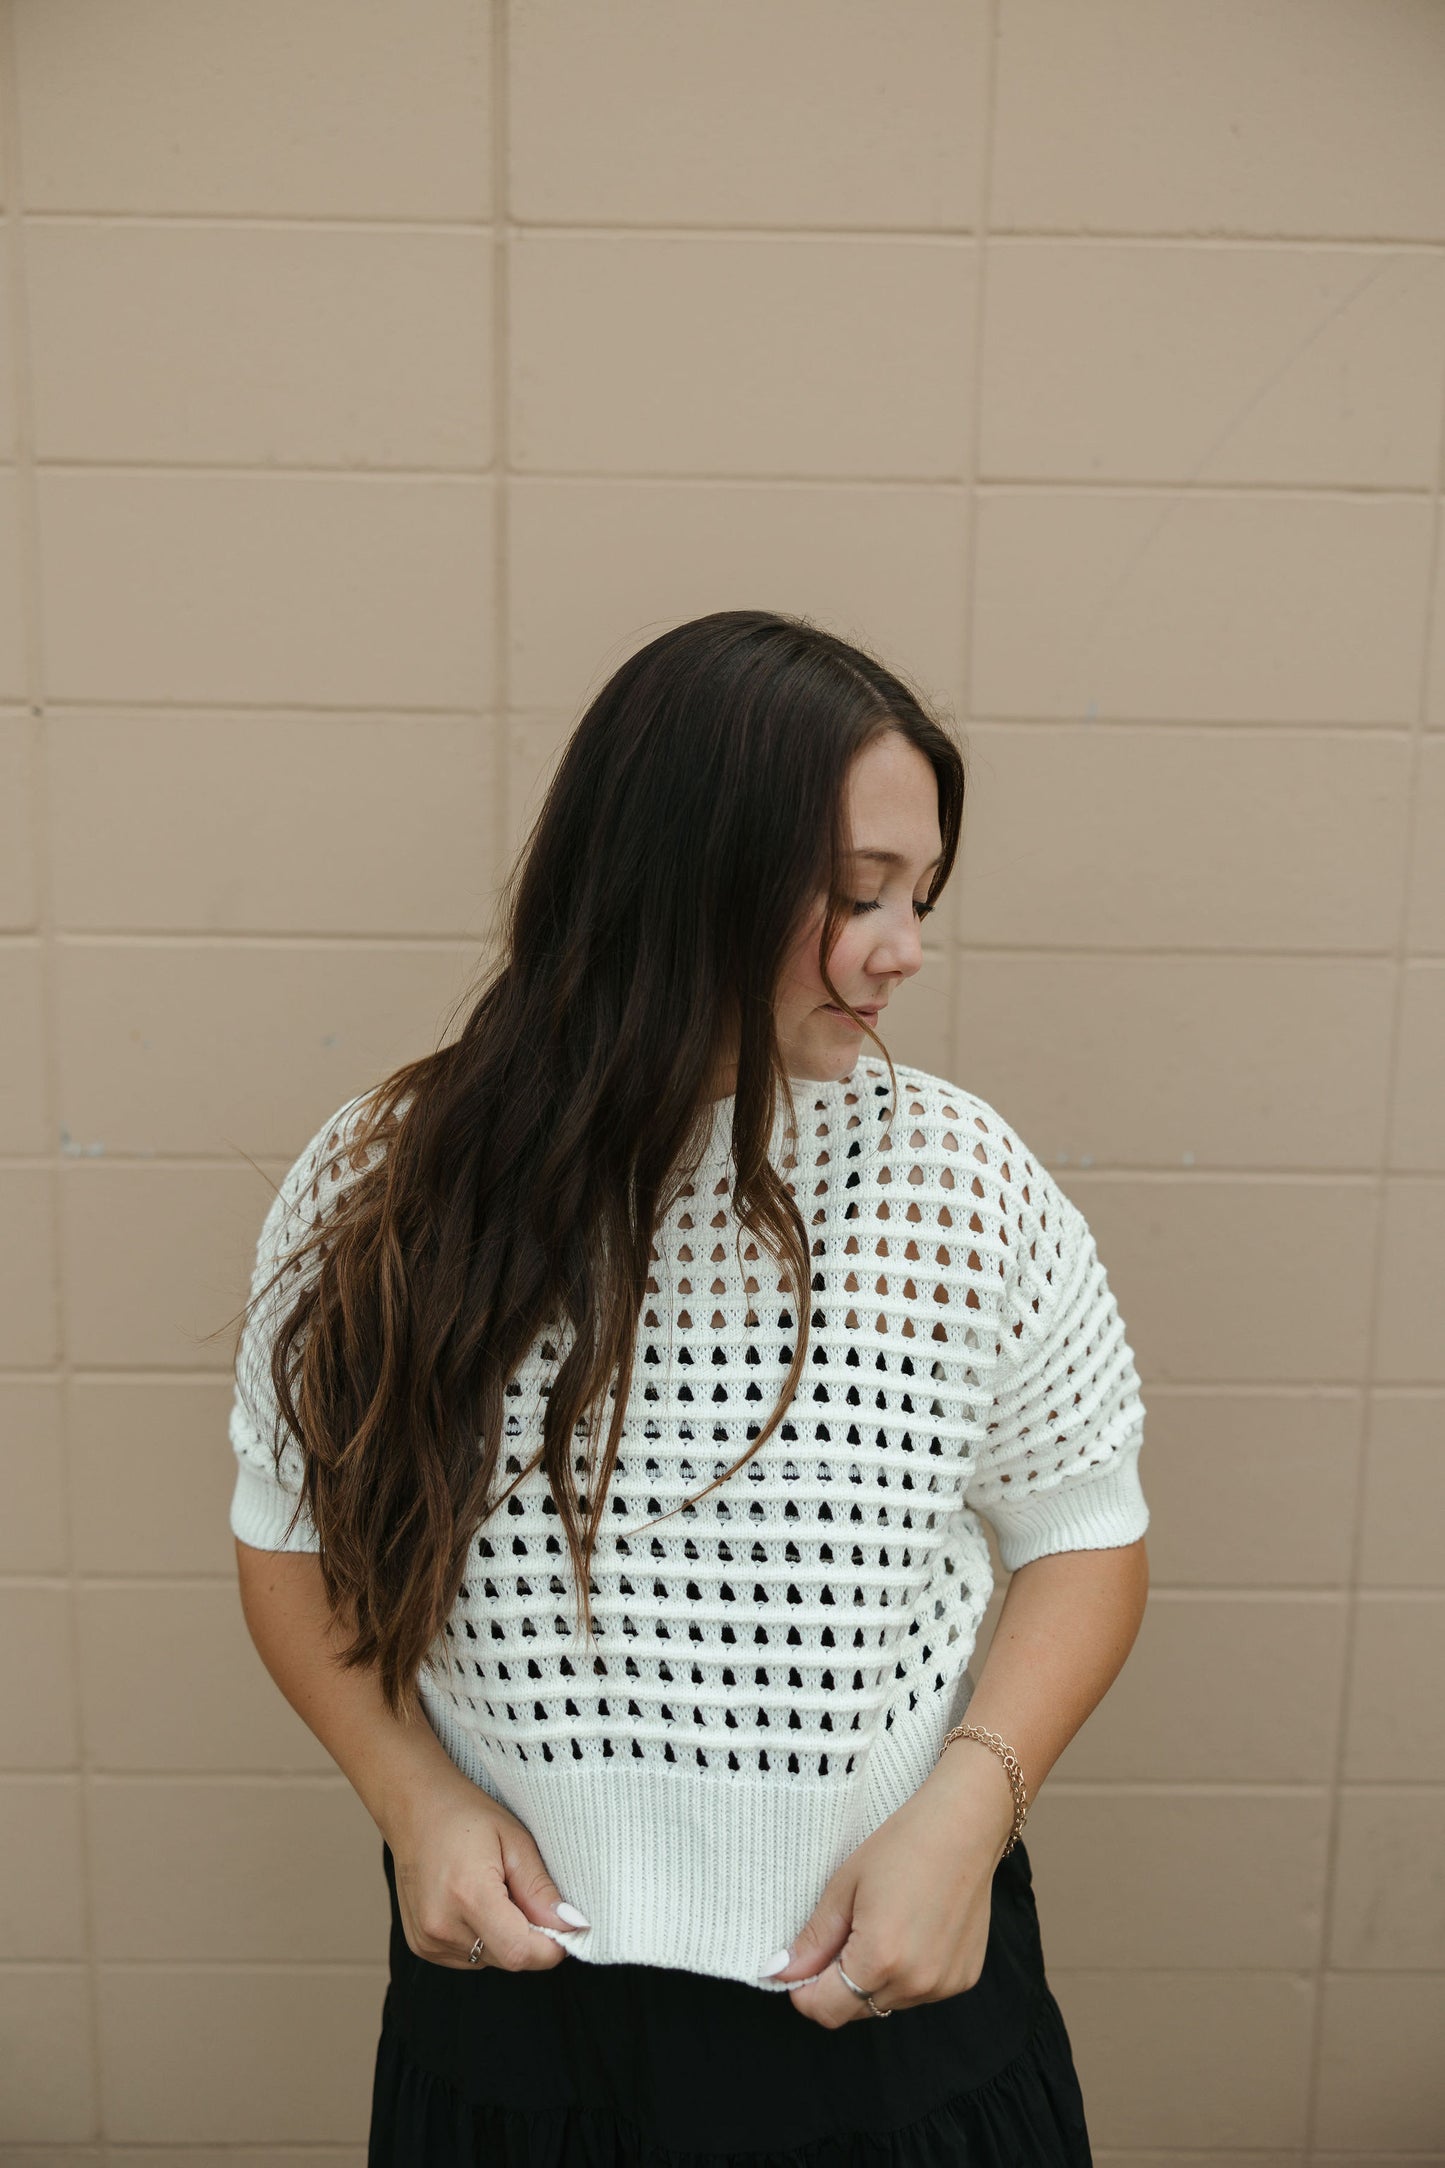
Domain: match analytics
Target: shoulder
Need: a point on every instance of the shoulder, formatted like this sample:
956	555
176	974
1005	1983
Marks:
946	1145
941	1121
320	1172
341	1147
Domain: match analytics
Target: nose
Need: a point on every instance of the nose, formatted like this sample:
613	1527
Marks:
900	952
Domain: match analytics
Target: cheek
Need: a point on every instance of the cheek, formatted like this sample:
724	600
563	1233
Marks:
849	951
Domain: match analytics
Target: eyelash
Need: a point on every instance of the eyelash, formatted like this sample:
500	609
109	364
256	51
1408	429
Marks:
876	904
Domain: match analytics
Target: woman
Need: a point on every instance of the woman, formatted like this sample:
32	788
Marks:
619	1395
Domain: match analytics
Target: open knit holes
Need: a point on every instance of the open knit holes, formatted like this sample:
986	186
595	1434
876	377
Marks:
756	1629
962	1348
325	1173
919	1222
1036	1244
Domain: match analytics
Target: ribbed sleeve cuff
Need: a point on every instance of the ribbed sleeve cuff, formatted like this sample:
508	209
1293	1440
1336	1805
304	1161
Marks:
1092	1512
260	1511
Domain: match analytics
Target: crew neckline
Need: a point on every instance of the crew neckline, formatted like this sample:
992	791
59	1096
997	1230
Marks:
718	1149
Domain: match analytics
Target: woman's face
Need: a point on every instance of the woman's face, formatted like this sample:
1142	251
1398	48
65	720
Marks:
891	819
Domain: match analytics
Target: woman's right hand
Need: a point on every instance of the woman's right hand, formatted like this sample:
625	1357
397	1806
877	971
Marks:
465	1867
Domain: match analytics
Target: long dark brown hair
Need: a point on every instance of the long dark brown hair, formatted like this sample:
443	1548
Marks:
694	820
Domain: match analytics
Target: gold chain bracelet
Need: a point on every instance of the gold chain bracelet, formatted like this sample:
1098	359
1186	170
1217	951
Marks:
1011	1764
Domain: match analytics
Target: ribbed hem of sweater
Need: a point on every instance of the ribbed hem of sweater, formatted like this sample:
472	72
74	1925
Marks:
709	1873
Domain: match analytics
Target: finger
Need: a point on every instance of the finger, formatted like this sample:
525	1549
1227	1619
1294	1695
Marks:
468	1963
538	1953
451	1944
831	2002
821	1937
511	1940
446	1924
531	1887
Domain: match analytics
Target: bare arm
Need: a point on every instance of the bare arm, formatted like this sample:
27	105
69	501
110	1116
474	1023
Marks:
464	1865
390	1765
1067	1623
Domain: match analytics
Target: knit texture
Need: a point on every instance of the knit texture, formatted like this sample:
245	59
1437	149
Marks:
775	1665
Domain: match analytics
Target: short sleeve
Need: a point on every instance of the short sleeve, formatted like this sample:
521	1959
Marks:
264	1499
1059	1470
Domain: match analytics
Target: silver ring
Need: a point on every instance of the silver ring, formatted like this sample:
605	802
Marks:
861	1992
475	1951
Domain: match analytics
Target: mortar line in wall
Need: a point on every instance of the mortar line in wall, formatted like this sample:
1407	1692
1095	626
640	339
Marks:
1384	1174
263	221
502	815
209	707
32	620
1217	239
1325	2157
1073	237
962	663
166	937
969	485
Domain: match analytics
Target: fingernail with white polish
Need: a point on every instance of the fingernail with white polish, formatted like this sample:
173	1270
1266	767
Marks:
571	1915
775	1964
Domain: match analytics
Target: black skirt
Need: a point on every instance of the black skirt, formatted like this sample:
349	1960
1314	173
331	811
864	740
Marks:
593	2066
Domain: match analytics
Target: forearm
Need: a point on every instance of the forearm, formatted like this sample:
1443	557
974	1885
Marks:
391	1765
1066	1625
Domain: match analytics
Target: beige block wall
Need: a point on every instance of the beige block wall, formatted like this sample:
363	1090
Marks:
373	378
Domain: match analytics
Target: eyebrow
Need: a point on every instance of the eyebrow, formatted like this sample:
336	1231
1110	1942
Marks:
894	858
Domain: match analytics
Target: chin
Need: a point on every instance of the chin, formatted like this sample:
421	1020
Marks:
824	1065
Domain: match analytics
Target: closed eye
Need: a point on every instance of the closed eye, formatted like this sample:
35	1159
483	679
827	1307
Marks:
876	904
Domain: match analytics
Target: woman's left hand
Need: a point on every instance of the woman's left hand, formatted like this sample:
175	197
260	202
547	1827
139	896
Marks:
908	1911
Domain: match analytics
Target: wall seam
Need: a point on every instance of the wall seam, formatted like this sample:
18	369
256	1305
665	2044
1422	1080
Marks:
503	230
958	946
32	623
1238	242
1314	2156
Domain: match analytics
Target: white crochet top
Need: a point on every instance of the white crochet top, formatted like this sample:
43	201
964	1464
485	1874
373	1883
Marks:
780	1661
